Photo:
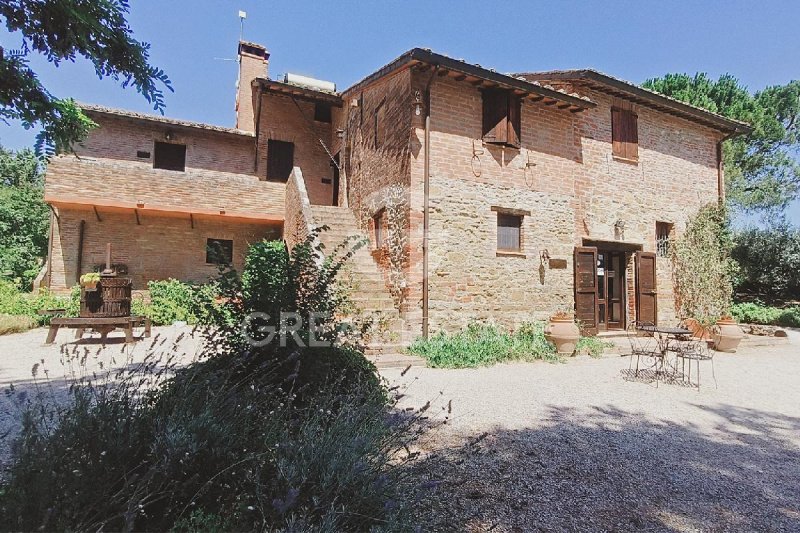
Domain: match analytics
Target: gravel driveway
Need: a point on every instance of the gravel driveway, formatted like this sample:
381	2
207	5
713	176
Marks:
575	446
570	446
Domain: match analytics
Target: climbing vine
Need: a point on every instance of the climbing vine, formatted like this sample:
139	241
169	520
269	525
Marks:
702	268
397	241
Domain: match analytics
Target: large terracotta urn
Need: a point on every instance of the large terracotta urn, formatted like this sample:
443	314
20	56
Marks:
564	333
727	335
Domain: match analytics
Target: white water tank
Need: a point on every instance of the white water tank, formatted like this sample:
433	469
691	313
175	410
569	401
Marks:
310	83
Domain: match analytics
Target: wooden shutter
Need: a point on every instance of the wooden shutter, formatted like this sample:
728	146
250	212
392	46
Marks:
514	119
508	232
495	116
624	133
280	160
586	288
646	294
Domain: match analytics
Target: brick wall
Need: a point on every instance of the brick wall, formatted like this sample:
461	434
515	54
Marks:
219	172
565	176
676	175
158	248
282	120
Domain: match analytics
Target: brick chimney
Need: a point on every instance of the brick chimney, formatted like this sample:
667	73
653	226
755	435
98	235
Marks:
253	63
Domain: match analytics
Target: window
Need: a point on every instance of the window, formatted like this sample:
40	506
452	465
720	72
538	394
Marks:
663	234
322	112
624	134
380	125
169	156
502	110
219	251
280	160
509	232
378	223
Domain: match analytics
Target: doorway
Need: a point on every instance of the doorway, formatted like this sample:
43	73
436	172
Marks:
611	290
604	290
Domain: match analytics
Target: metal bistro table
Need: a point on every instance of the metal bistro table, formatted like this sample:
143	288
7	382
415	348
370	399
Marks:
669	339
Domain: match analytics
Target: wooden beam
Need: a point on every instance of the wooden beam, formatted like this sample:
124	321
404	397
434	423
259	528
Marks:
551	102
576	110
536	98
443	72
564	106
460	77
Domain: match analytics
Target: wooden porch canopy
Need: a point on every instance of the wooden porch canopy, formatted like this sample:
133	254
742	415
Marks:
425	60
297	91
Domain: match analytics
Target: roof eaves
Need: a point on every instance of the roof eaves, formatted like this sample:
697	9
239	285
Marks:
715	119
423	55
134	115
303	91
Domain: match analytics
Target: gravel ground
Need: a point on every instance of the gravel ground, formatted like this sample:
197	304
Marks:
572	446
28	367
576	446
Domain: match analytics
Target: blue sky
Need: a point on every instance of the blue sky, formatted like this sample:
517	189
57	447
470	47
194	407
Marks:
343	41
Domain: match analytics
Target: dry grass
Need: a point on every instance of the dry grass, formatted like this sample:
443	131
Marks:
15	324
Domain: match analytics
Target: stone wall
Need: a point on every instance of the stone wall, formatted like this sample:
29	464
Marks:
158	247
676	174
565	175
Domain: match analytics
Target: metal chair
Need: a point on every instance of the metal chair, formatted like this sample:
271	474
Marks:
695	350
643	344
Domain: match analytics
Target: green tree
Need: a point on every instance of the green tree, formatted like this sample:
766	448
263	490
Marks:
61	30
24	217
762	172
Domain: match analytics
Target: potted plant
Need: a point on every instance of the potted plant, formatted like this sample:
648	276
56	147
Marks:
562	331
90	280
727	334
701	328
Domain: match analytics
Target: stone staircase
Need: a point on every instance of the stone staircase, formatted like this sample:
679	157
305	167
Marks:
369	296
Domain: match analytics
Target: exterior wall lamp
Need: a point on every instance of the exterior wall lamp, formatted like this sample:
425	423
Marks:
619	229
417	103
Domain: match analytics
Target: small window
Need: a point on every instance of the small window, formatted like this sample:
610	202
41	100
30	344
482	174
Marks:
322	112
380	125
379	224
663	235
624	134
169	156
502	111
509	232
280	160
219	251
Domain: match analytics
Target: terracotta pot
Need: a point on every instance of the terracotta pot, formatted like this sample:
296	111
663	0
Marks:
698	330
564	333
727	336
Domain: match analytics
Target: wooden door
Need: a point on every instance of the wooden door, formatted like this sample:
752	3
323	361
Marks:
586	288
646	294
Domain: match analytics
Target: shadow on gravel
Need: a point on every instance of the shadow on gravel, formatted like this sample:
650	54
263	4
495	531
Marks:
615	470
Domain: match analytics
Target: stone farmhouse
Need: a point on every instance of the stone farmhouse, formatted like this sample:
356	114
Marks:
484	196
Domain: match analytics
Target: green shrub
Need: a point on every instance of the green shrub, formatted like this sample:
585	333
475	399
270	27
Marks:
593	346
172	300
266	436
769	262
17	303
756	313
484	345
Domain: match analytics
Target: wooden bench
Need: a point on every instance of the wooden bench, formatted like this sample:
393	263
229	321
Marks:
102	325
